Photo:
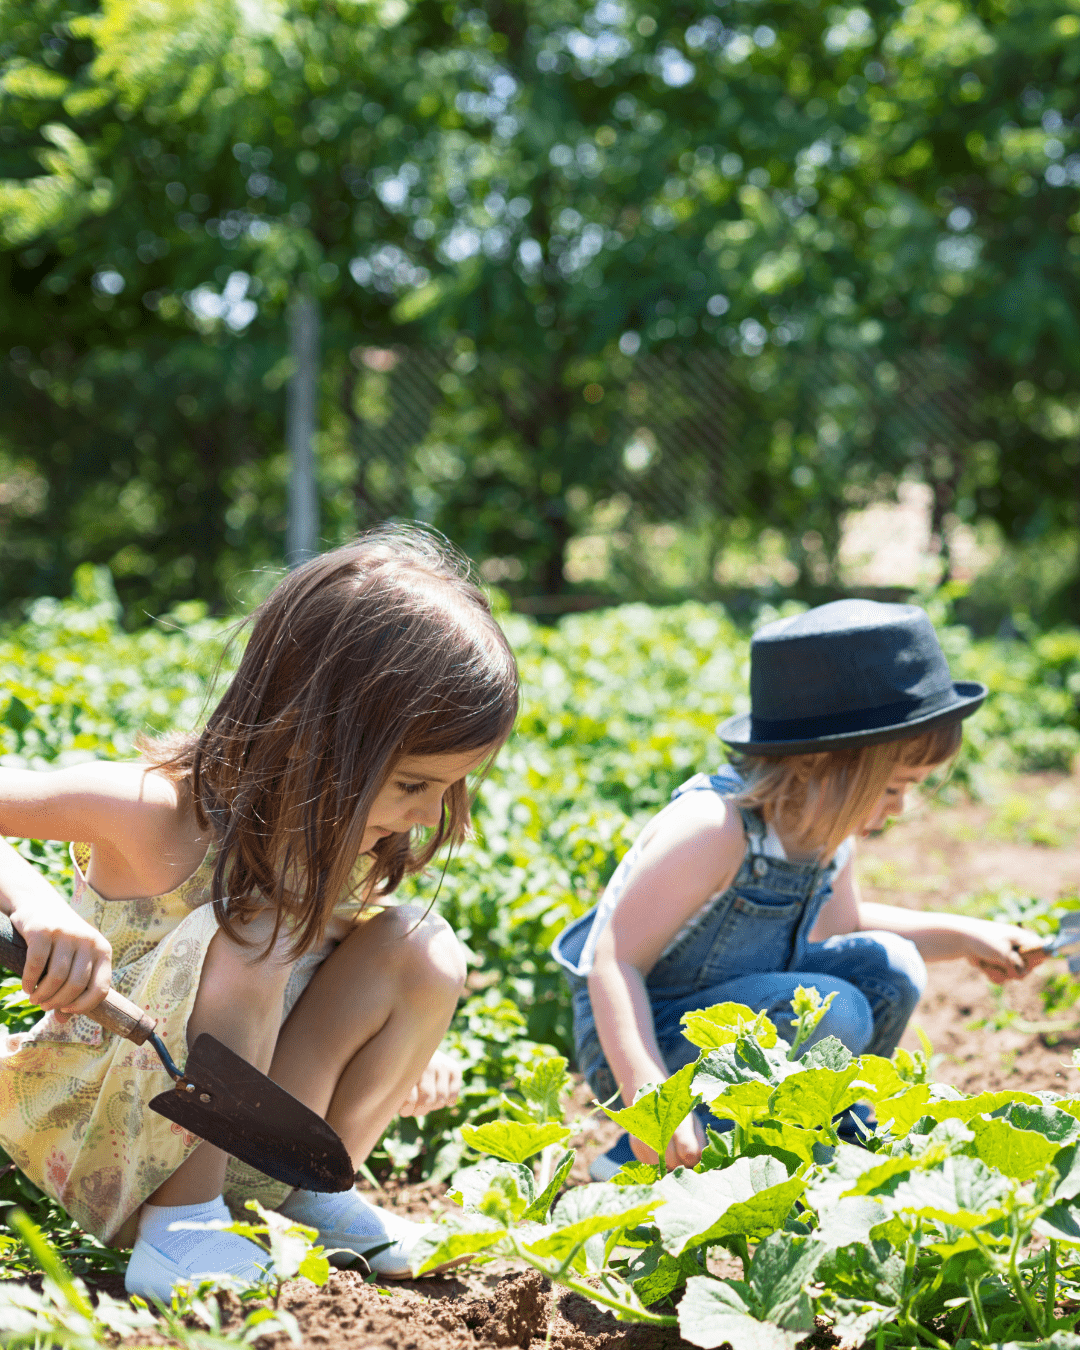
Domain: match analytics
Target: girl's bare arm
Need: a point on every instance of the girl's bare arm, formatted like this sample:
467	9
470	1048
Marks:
110	806
1002	951
695	850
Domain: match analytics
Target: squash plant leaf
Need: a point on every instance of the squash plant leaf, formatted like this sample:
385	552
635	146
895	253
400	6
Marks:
724	1023
588	1210
538	1210
712	1313
849	1220
1061	1127
962	1192
741	1102
656	1114
829	1053
545	1087
752	1197
513	1140
468	1235
654	1274
1060	1223
814	1096
1018	1153
471	1184
779	1272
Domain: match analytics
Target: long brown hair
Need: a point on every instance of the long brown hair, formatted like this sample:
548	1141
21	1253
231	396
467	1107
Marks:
377	650
817	800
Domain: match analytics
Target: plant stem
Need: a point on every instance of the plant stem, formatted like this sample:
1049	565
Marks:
1051	1283
972	1282
738	1247
546	1168
921	1331
627	1313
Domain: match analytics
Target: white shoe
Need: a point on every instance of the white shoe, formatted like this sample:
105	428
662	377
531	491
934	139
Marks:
153	1275
394	1261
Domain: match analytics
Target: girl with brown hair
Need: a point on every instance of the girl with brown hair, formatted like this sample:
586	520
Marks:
230	881
743	887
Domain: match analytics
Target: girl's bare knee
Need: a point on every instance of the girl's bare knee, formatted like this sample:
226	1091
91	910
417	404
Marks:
429	953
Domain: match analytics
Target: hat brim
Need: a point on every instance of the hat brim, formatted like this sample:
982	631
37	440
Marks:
737	731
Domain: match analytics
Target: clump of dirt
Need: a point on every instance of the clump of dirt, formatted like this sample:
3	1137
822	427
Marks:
517	1312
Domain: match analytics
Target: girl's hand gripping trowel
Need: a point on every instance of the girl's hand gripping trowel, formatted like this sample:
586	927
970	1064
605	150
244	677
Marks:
223	1099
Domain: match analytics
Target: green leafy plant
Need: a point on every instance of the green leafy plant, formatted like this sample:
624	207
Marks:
62	1313
958	1221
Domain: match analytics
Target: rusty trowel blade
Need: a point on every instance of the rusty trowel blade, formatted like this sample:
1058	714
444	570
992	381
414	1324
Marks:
226	1101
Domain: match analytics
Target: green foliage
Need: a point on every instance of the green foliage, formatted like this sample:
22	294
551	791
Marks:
860	211
62	1314
957	1221
619	708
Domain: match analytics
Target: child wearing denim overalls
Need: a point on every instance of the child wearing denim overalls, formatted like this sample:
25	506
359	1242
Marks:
743	887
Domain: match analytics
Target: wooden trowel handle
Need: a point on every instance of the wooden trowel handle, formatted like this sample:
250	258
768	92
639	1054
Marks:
115	1013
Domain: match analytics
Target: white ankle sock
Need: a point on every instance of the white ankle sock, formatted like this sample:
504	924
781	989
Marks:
198	1251
345	1214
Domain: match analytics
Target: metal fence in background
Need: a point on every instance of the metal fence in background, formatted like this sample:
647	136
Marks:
691	430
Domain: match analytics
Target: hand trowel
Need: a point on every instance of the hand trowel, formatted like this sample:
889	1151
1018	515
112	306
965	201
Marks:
1065	942
223	1099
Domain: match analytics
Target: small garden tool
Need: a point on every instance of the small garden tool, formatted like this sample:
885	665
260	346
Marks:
223	1099
1065	942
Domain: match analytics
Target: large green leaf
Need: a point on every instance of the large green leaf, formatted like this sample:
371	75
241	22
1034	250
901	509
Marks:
467	1236
513	1140
711	1313
792	1140
1058	1126
815	1096
849	1220
1060	1223
588	1210
724	1023
656	1114
781	1267
752	1197
741	1102
963	1192
1018	1153
654	1274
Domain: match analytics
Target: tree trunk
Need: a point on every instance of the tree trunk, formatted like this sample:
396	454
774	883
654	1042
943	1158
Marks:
302	530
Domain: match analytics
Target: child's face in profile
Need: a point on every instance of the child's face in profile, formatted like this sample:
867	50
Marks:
413	794
891	801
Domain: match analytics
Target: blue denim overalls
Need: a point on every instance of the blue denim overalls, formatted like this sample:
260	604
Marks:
750	944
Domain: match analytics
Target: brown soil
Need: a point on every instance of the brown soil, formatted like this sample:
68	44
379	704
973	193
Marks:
946	856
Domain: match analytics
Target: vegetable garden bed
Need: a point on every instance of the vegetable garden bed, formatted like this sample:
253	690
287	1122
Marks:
619	708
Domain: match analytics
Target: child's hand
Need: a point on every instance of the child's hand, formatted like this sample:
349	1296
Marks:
68	962
684	1148
439	1086
1003	951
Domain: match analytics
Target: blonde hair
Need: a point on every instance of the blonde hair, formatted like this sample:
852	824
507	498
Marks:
815	801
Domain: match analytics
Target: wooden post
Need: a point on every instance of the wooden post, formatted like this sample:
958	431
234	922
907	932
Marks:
302	530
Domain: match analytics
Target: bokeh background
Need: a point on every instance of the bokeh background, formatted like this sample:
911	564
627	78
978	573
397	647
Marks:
727	299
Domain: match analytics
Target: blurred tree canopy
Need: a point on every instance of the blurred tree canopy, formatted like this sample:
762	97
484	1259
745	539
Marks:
857	209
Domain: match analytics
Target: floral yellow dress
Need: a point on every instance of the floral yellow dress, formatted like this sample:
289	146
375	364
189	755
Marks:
74	1100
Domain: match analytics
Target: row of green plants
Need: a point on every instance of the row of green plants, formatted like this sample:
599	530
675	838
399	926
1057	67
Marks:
956	1222
618	709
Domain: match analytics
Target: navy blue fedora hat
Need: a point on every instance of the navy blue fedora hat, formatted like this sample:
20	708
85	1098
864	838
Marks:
854	672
